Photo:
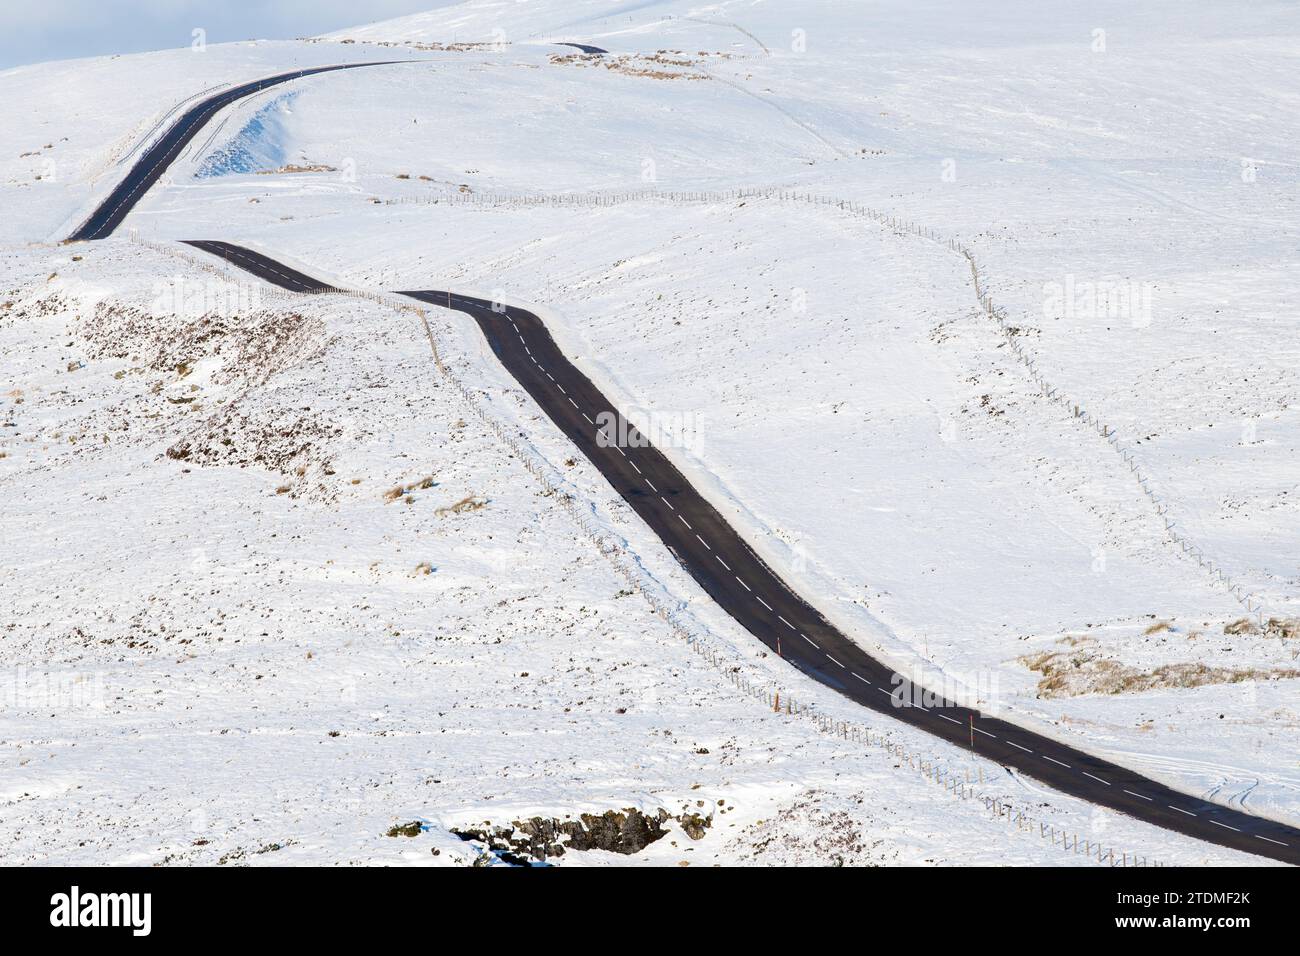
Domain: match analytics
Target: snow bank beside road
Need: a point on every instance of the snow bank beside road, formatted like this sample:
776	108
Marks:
876	437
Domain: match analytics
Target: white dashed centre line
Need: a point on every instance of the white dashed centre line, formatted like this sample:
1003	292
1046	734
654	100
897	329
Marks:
299	281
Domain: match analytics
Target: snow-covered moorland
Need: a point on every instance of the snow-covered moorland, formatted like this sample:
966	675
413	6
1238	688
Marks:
229	637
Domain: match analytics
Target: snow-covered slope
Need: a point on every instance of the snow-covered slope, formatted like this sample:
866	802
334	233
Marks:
856	416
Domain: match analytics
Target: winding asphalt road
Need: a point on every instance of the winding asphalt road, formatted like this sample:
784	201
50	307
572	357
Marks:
756	596
720	560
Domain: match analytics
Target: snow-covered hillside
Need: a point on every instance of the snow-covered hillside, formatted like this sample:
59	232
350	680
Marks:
245	643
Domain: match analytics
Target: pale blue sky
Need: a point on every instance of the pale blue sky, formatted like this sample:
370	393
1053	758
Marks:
36	30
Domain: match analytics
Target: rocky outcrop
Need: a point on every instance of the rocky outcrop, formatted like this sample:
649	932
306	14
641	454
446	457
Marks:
624	831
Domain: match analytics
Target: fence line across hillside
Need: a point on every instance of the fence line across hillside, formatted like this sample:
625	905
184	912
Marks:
964	781
1173	535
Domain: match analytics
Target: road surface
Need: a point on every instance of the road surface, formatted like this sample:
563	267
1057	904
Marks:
756	596
715	555
146	170
585	48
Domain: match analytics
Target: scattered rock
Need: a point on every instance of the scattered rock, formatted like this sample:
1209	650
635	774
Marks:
624	831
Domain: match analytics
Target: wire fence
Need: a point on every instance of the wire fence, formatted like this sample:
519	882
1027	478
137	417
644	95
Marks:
1173	535
961	777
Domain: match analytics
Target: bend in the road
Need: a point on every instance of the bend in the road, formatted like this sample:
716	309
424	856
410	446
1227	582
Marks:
108	215
748	589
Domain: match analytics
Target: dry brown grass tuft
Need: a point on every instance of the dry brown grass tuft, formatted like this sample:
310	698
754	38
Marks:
405	489
1285	628
1076	674
1159	626
1241	626
468	503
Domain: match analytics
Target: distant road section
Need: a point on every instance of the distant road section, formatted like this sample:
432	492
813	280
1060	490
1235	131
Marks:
146	170
585	48
756	596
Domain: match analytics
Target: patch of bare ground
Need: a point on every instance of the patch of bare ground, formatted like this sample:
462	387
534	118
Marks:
812	830
538	839
101	633
287	442
18	304
1286	628
476	47
249	346
660	65
217	413
467	504
1084	670
299	168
